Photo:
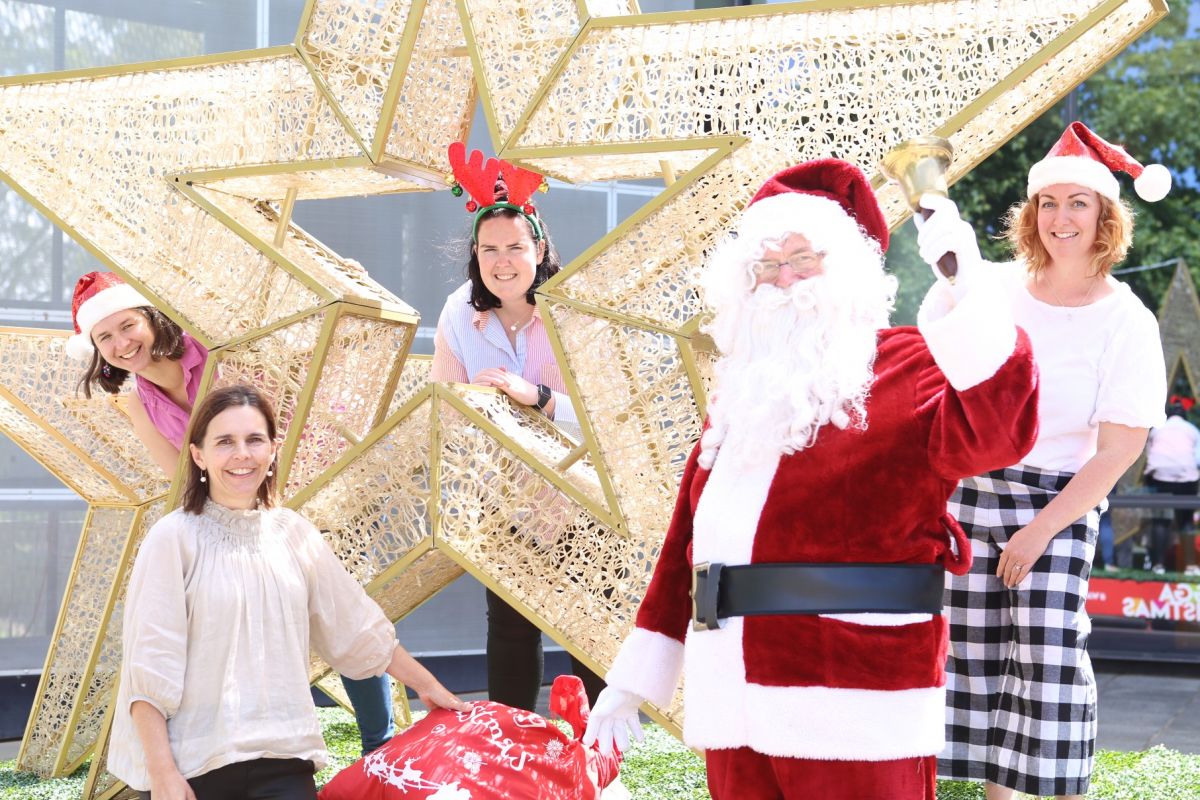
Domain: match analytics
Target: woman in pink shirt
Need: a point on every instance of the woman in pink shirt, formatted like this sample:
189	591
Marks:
122	334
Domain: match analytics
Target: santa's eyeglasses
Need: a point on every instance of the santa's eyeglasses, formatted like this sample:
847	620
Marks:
801	263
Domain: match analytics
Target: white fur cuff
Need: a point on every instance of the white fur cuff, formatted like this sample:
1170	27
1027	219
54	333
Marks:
970	340
648	665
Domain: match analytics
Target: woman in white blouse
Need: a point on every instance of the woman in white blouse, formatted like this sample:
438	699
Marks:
1021	696
228	594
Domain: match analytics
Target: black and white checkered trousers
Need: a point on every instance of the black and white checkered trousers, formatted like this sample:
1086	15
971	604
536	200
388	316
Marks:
1020	692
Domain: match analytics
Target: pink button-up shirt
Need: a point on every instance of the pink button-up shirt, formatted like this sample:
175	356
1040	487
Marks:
171	420
468	341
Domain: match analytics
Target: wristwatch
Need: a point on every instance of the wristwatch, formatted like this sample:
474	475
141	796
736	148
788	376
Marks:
543	397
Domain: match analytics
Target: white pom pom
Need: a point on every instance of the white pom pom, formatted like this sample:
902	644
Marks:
1153	184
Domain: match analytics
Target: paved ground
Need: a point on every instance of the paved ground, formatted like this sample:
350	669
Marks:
1141	705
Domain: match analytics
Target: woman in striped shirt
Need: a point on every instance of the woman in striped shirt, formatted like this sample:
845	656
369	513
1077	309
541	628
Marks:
490	334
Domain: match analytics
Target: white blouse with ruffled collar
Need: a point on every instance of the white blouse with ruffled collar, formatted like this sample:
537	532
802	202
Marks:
221	612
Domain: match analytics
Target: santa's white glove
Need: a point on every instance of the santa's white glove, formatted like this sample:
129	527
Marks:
613	718
947	232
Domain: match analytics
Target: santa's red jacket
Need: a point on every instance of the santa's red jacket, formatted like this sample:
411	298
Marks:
954	399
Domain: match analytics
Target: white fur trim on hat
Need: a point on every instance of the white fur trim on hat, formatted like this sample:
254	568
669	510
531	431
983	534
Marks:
1073	169
794	212
98	306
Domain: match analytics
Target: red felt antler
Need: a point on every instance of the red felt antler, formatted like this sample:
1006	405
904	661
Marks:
521	183
474	174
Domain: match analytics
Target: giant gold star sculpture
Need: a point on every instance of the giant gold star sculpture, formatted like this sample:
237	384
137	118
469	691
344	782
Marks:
182	175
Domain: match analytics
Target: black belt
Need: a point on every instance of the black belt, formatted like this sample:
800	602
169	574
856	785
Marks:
719	591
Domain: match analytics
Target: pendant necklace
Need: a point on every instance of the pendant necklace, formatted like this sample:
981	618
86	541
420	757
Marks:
1071	309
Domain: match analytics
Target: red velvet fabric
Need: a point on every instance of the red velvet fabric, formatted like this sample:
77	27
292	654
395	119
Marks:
744	774
874	496
492	752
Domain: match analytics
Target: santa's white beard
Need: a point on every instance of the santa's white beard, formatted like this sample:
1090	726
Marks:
794	360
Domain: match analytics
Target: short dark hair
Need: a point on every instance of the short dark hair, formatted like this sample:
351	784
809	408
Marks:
195	491
481	298
168	343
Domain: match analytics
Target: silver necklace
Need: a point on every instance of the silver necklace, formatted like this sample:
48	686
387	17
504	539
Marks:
513	327
1059	301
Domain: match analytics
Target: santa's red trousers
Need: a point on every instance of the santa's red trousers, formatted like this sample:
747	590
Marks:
745	774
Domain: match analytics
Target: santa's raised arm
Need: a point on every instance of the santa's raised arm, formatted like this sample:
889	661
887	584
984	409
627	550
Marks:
799	586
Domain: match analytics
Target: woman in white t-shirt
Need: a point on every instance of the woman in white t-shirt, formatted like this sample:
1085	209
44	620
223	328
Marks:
1021	696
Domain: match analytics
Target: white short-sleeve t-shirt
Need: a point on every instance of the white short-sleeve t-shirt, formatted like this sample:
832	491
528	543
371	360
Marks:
1102	362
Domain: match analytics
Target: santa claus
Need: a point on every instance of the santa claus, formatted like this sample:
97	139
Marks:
799	586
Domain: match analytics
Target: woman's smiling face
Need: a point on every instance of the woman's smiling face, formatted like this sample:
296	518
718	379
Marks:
236	453
125	339
508	256
1068	220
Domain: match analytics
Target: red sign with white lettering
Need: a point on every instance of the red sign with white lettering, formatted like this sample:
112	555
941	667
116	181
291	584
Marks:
1179	602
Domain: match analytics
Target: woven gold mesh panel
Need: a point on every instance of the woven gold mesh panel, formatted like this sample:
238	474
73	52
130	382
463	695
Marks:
81	619
437	98
584	167
375	510
353	45
102	461
819	82
155	123
536	436
105	674
413	378
358	372
611	8
424	577
22	427
527	539
517	43
315	184
344	279
991	126
649	270
635	390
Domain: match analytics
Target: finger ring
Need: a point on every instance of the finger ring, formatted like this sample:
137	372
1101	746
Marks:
1019	566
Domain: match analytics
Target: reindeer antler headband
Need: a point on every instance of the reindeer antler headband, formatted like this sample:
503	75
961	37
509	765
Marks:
479	179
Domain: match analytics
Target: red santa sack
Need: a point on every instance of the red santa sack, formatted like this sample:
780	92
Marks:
492	752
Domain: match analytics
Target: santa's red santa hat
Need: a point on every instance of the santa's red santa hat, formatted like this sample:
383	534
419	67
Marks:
1083	158
98	295
809	194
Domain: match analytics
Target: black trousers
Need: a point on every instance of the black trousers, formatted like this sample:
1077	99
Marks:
514	658
260	779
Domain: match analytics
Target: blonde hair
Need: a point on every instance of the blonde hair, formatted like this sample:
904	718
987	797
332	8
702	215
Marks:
1114	235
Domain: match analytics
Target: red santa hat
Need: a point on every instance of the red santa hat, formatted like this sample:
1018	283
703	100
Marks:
97	295
1082	157
808	192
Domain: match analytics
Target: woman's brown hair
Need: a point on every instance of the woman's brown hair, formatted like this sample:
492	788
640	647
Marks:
168	343
195	491
1114	235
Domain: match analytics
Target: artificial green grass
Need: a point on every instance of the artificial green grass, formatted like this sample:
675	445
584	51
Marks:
661	768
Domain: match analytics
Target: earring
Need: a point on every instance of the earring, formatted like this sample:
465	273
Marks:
203	477
270	470
106	370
